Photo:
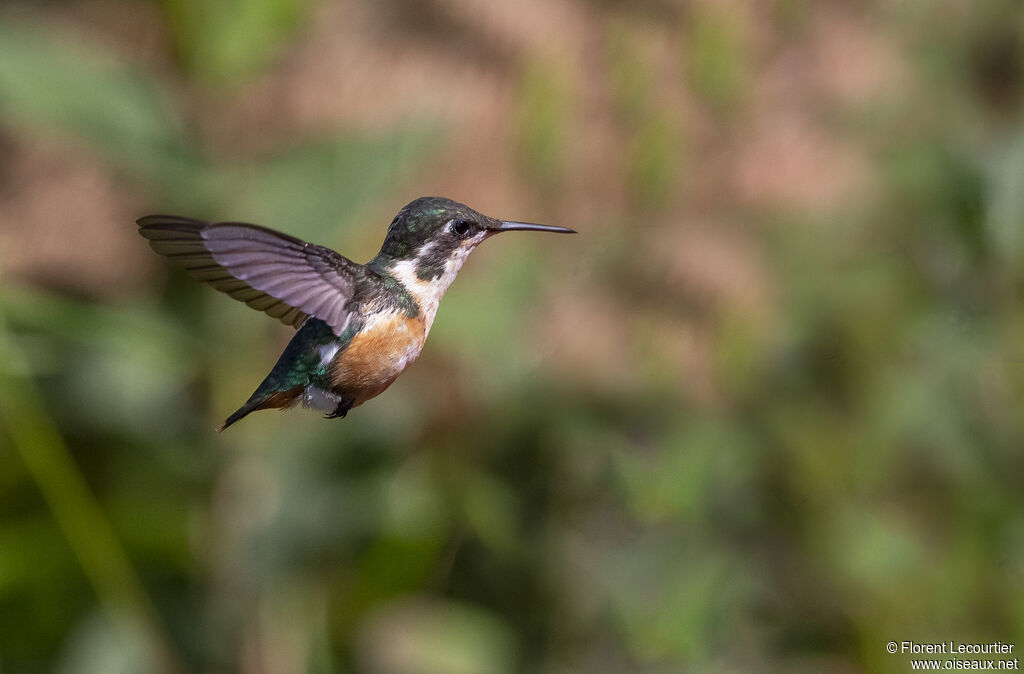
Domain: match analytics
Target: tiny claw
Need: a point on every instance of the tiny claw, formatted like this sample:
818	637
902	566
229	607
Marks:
340	411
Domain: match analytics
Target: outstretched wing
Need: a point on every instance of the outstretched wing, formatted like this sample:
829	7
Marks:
286	277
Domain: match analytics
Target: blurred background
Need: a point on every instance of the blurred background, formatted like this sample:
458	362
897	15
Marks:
764	413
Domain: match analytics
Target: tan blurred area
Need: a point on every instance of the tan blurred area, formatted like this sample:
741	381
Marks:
613	84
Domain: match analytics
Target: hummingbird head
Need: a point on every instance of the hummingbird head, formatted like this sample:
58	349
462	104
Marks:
431	237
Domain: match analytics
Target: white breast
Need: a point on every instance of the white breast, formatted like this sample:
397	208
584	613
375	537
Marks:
319	399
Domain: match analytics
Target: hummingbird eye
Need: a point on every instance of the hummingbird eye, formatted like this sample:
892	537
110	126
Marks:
462	228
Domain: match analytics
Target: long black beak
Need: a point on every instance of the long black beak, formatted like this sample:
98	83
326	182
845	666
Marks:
509	226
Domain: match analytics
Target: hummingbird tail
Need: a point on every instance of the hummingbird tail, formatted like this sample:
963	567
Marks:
263	401
238	414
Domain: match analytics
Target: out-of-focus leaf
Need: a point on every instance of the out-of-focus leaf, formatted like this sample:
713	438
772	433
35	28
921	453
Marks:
653	160
413	502
543	124
1006	206
49	82
491	511
125	363
102	326
229	39
313	189
489	312
98	647
677	598
32	553
699	463
631	78
716	55
876	551
425	635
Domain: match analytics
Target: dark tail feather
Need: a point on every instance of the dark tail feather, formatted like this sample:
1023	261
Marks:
239	413
261	401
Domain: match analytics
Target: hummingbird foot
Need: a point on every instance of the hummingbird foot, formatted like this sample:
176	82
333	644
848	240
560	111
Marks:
340	411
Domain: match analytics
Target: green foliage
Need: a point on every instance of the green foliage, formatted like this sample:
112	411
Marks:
784	481
654	154
1006	182
716	56
124	115
225	40
320	184
49	84
655	146
543	124
630	77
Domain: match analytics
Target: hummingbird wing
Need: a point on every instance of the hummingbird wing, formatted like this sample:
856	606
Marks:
286	277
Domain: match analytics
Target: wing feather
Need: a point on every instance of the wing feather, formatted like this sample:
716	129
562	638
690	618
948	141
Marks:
273	272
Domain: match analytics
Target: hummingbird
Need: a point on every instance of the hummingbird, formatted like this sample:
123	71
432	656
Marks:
359	325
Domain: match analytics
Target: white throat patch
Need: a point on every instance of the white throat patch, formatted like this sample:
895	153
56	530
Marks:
428	294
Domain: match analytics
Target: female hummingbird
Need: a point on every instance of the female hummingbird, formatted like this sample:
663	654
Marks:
359	325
